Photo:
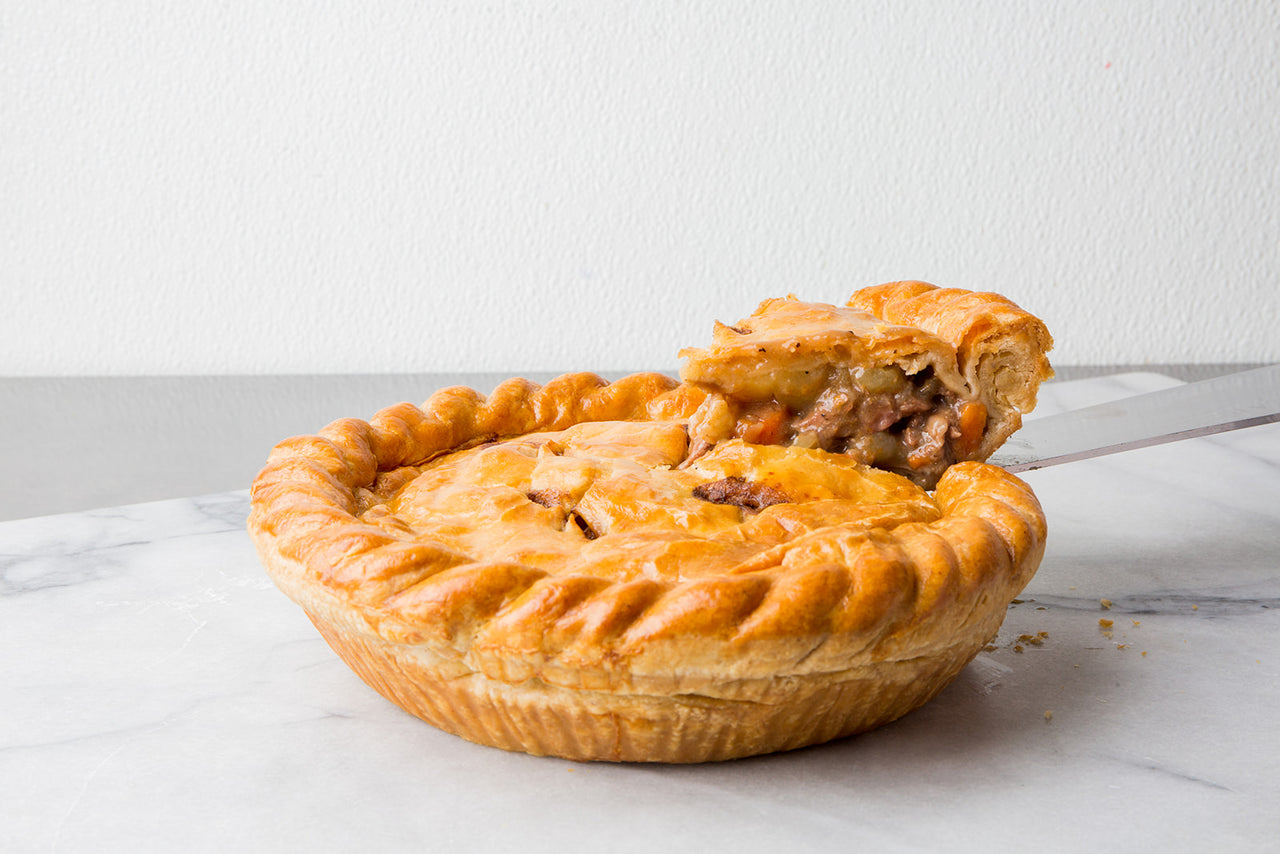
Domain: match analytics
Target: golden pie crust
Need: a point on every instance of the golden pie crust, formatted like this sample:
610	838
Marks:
552	569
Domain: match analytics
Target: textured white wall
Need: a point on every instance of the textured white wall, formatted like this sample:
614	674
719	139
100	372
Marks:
249	187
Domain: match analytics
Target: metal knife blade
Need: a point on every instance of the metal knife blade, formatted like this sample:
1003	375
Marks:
1231	402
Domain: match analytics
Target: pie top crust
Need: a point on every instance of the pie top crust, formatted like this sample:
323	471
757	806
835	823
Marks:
574	536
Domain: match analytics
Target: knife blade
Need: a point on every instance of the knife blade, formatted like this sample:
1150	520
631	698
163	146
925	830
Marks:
1230	402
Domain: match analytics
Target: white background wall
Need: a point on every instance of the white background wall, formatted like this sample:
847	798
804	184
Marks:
254	187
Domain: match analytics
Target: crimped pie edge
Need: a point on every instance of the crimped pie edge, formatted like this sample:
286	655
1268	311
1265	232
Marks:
511	621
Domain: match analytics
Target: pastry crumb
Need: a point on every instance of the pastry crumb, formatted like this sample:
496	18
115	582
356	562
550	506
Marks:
1017	647
1048	715
1106	624
1137	623
1195	607
1106	604
1144	653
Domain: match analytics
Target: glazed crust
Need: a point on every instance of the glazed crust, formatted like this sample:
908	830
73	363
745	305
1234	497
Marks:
738	630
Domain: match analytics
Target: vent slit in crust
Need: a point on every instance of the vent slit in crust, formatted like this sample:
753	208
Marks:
740	493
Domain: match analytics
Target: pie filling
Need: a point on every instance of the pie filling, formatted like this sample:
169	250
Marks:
881	416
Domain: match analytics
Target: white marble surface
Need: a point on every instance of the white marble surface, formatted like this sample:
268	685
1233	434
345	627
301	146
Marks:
160	695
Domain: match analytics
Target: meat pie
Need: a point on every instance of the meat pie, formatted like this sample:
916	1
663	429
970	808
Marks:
655	571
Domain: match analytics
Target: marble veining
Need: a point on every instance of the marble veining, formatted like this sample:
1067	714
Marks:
160	694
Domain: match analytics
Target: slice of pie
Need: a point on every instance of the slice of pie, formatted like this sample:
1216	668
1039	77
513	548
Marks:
575	570
907	376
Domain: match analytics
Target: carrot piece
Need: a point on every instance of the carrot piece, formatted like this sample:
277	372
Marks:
973	421
763	424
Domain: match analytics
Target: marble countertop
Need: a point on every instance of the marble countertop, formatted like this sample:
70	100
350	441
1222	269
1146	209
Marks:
160	694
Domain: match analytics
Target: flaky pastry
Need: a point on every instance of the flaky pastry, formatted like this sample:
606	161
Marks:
907	376
575	570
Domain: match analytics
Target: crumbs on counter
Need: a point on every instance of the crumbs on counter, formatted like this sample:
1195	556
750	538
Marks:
1107	628
1048	715
1106	604
1020	644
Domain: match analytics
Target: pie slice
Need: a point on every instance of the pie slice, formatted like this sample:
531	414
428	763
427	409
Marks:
907	376
568	570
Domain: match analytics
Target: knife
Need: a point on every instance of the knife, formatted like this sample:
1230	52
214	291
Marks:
1231	402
